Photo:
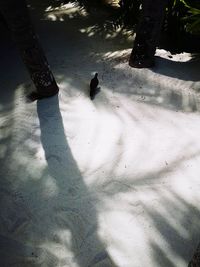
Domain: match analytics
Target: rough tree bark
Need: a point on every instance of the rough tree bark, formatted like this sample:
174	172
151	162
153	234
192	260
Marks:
18	20
147	34
195	262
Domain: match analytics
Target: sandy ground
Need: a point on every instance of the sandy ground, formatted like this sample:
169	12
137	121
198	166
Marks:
113	182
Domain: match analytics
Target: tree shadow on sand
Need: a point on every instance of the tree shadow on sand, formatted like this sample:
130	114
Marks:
179	70
73	208
52	220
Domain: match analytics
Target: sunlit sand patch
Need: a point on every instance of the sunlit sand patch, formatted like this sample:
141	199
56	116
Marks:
58	13
179	57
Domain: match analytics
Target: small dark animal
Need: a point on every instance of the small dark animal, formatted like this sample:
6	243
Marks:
93	86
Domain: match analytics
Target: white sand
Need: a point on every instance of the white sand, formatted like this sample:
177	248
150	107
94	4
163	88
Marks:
113	182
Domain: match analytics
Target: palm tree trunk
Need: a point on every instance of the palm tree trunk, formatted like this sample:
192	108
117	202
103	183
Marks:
195	262
147	34
18	21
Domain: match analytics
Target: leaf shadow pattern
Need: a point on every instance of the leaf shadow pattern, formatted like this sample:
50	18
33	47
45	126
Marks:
178	237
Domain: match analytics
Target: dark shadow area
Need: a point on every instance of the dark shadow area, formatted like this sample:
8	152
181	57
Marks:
179	70
110	16
179	43
105	15
12	71
69	207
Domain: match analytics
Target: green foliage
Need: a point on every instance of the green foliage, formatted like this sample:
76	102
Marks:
192	19
181	16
